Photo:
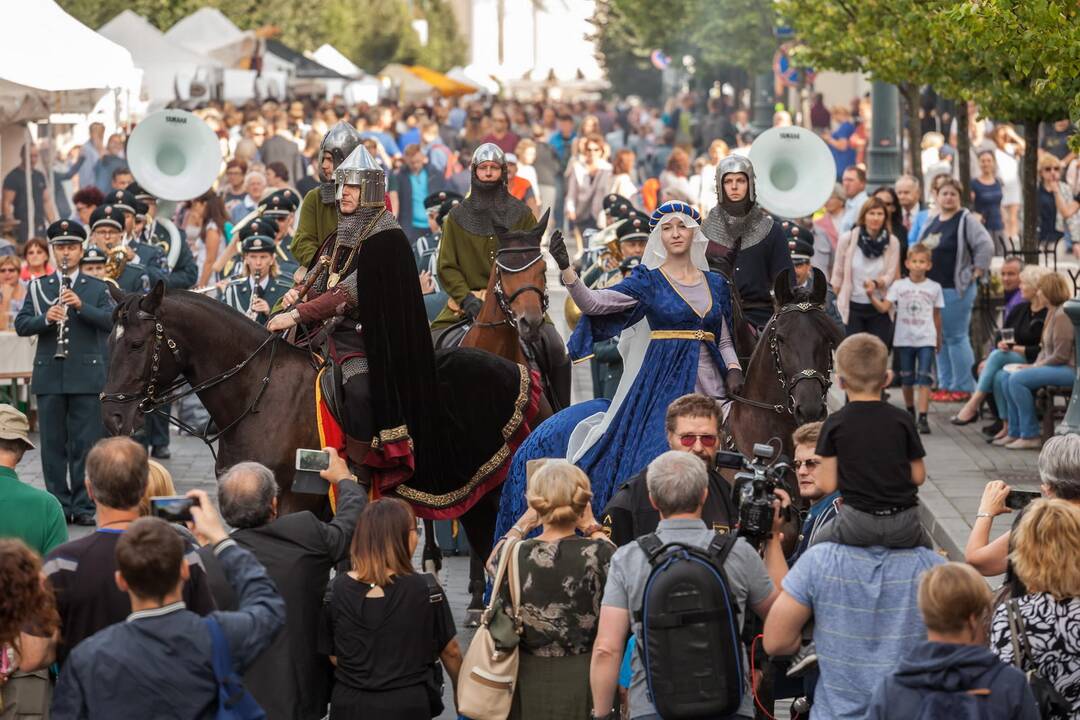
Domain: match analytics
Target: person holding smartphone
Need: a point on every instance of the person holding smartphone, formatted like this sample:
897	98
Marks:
1059	471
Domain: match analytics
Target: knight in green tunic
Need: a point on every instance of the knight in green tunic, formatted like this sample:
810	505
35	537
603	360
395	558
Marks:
318	211
468	245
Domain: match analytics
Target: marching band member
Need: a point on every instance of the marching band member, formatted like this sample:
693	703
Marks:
93	262
107	232
260	284
280	207
162	233
745	243
71	315
149	256
675	317
426	250
319	210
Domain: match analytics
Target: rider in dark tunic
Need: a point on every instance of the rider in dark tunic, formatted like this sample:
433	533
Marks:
745	242
318	211
378	332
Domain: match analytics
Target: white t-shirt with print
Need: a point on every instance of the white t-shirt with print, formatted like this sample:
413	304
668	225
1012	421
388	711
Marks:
914	304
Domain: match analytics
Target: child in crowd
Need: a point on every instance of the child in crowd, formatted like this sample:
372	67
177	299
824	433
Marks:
871	452
918	301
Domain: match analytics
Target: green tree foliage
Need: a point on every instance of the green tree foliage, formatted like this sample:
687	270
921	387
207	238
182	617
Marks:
371	33
621	54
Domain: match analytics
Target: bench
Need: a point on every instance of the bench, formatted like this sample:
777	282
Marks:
1051	412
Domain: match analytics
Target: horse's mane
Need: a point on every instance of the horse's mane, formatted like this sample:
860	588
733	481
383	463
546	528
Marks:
235	325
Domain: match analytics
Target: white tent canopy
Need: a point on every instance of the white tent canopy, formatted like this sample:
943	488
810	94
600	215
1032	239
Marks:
167	68
34	83
332	58
208	32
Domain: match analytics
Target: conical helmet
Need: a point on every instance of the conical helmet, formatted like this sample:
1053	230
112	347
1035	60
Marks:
362	169
340	141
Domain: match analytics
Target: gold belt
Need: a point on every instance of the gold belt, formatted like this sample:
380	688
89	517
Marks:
683	335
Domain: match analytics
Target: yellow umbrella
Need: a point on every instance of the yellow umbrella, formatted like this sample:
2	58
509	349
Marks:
445	85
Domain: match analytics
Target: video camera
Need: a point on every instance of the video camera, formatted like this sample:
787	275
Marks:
754	485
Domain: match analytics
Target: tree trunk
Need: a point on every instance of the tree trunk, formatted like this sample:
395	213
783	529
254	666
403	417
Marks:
963	150
910	91
1029	176
500	20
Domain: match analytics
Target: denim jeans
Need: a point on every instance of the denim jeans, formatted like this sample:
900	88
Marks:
916	365
990	379
956	358
1019	391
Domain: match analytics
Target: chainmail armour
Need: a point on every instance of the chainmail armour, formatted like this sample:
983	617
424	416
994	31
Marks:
489	201
726	229
328	193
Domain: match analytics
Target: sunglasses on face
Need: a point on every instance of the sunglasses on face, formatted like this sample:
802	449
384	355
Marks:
9	269
810	464
689	439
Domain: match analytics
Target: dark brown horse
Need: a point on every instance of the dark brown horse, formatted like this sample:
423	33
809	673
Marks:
787	378
260	392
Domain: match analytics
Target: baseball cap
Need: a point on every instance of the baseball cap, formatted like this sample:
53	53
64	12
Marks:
14	425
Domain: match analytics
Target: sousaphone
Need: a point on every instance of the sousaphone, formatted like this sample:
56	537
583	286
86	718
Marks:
794	171
174	156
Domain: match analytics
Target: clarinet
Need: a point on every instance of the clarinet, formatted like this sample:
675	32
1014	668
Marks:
61	327
257	293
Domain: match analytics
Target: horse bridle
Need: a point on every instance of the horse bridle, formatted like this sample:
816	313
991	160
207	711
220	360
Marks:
150	401
506	302
787	384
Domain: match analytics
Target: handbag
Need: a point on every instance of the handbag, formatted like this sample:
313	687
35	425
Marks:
1047	697
234	701
433	683
489	674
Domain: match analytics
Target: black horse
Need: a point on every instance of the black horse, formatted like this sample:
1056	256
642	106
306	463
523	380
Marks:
260	393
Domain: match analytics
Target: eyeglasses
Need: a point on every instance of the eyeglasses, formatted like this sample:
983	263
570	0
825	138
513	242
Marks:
1052	170
9	269
810	464
689	439
592	149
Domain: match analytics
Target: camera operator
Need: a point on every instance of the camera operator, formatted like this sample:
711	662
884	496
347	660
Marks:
164	655
693	426
824	499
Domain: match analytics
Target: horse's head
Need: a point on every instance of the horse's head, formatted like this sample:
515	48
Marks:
141	359
520	278
802	338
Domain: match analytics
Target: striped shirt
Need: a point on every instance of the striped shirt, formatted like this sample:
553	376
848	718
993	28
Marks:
865	618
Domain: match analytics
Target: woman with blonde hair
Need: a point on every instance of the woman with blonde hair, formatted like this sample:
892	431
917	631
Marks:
12	290
159	482
953	674
382	626
1046	544
562	578
1055	365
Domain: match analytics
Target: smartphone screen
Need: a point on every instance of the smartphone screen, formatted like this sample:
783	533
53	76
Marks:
312	460
172	508
1020	499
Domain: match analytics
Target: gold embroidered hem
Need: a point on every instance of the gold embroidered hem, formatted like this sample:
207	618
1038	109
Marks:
392	435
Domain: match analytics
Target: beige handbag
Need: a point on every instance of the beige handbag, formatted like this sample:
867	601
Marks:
486	684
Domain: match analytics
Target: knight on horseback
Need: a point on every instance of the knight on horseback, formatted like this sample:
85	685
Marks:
373	324
467	253
745	243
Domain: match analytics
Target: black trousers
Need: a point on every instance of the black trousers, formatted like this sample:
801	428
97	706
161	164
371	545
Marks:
864	317
70	425
550	353
359	423
157	428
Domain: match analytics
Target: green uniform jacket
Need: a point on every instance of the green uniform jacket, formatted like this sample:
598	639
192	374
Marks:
317	222
465	262
83	372
237	294
185	273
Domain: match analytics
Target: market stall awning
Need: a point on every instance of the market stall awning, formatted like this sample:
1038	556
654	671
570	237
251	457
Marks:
34	83
446	85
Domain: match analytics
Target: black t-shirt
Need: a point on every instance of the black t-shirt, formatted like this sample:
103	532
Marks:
16	182
383	643
942	236
874	444
629	514
82	576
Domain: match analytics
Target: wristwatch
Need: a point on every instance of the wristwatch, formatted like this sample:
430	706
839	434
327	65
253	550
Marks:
981	514
609	715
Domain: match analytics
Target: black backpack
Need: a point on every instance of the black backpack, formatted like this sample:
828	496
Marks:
689	640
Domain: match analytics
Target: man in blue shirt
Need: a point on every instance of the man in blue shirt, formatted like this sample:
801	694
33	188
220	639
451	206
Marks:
866	617
409	186
839	140
161	657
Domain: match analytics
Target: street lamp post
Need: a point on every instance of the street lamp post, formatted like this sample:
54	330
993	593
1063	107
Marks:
883	155
764	103
1071	423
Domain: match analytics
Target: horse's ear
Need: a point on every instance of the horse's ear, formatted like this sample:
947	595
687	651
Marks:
821	287
542	223
782	288
115	292
152	301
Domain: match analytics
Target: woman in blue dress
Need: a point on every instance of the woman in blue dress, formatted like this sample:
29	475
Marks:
673	317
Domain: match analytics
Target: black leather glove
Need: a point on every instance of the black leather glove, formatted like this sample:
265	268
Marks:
557	248
734	382
472	306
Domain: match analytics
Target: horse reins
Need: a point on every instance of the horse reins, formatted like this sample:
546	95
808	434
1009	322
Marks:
150	402
788	384
506	302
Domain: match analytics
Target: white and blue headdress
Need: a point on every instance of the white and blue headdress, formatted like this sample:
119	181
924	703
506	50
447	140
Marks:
655	254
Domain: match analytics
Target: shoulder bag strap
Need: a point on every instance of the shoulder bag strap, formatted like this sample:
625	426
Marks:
1013	613
504	560
435	591
720	547
220	649
651	545
515	579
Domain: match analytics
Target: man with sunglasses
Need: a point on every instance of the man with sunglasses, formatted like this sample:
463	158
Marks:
824	501
693	426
